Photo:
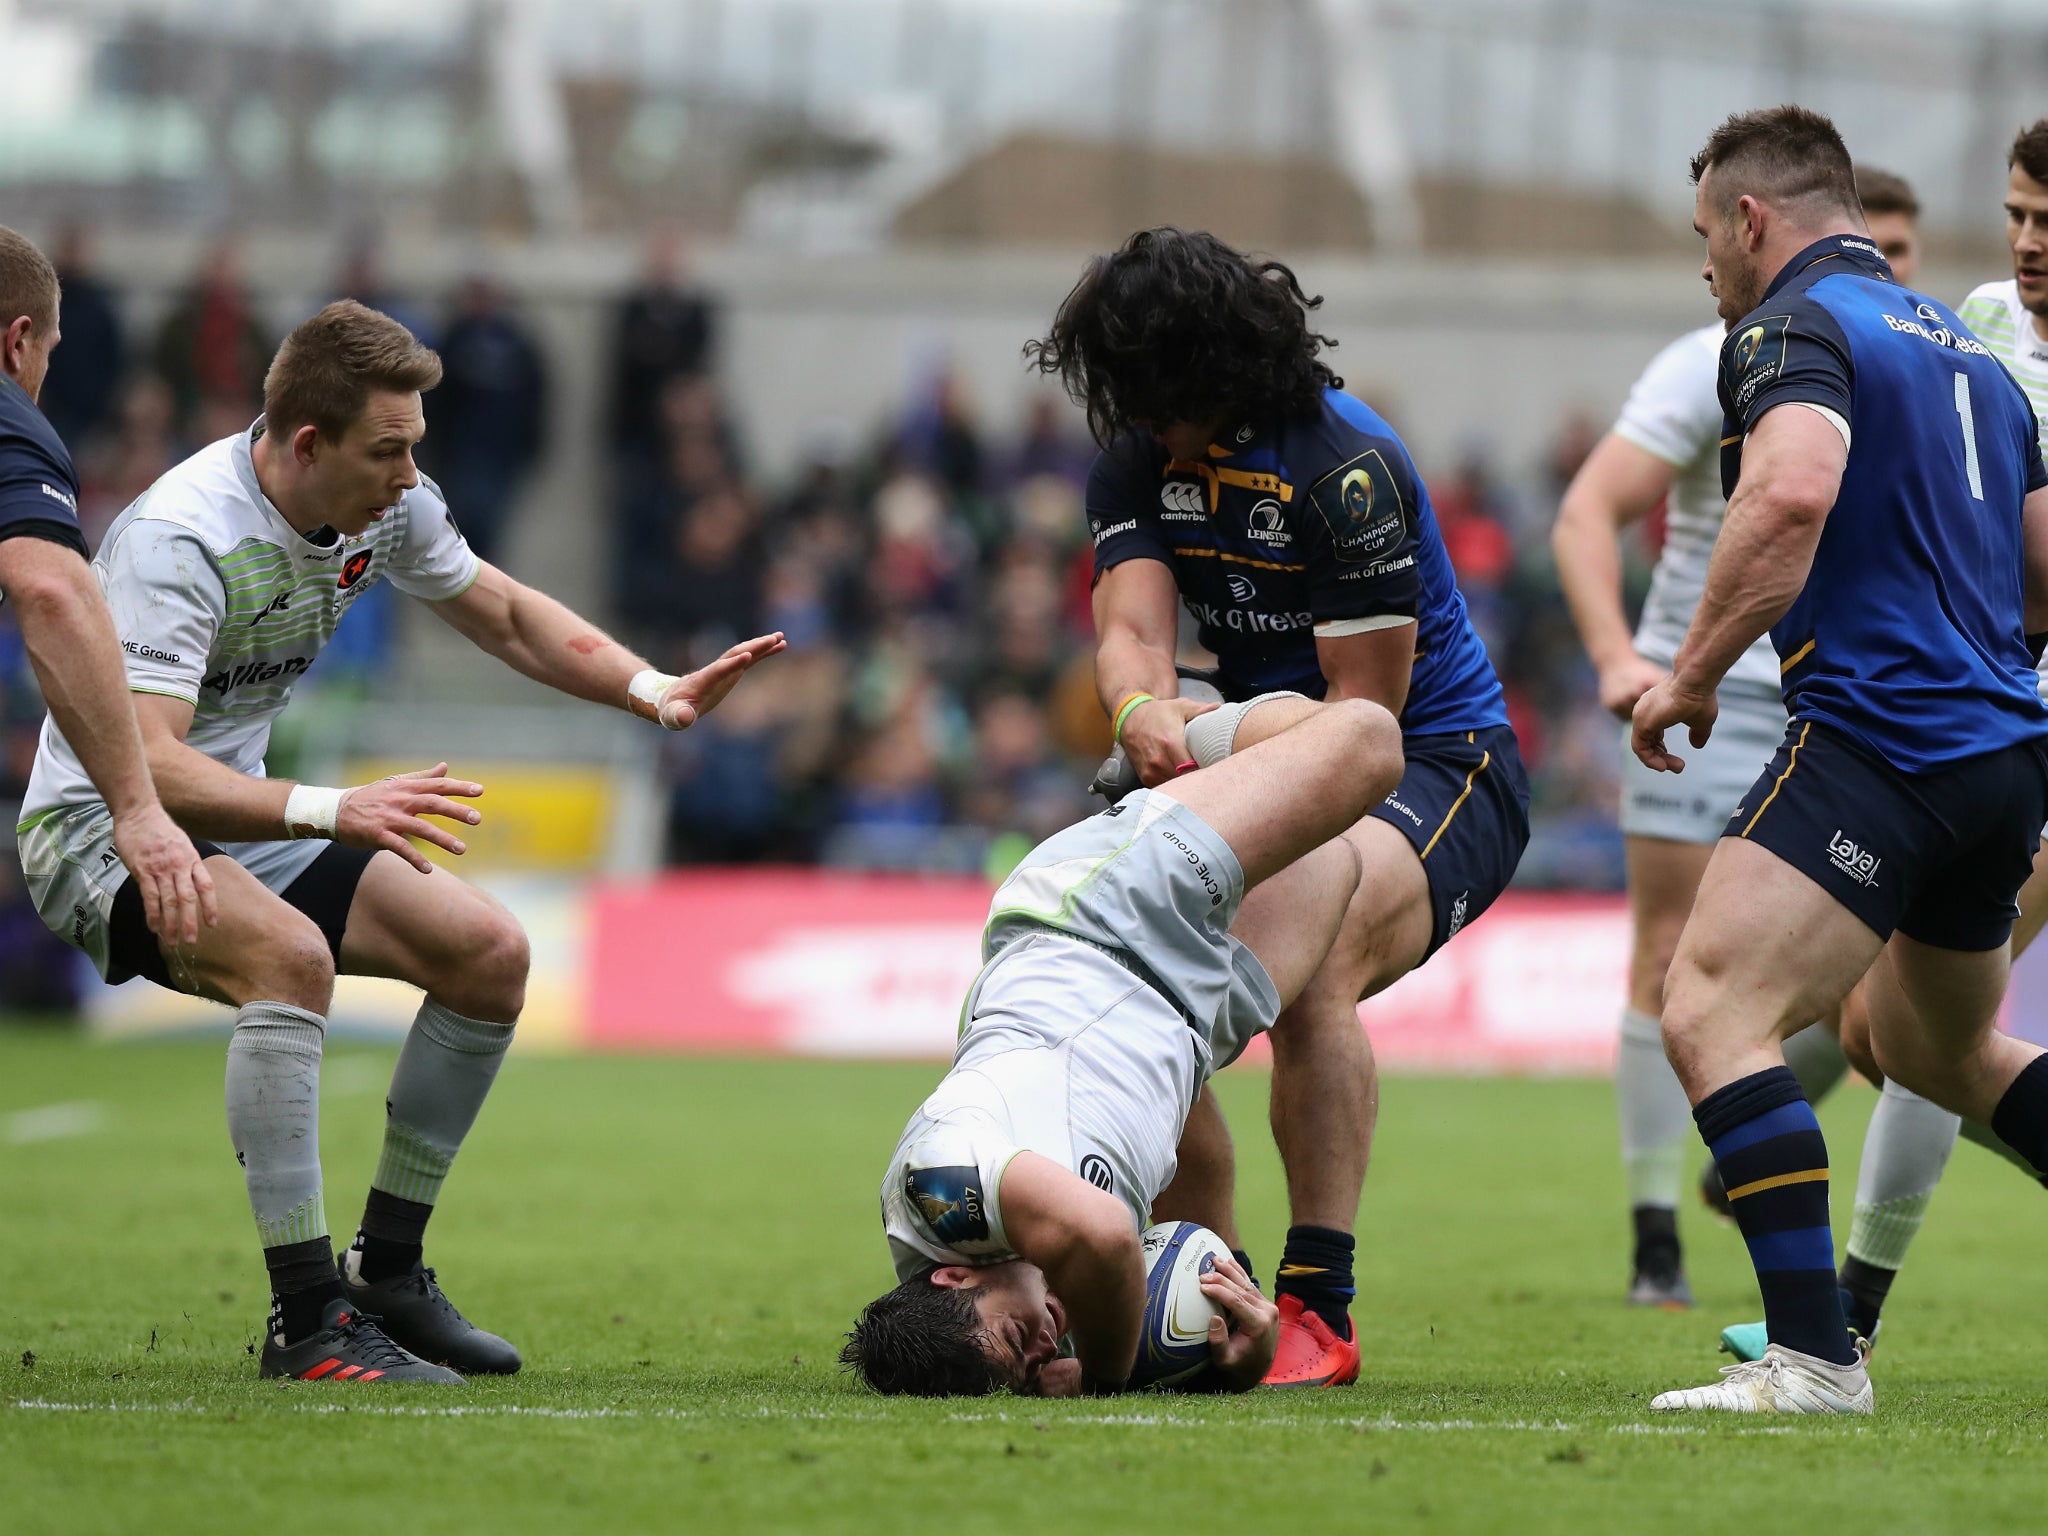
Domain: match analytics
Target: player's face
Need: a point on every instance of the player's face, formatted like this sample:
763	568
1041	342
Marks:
2026	231
360	478
1899	238
1730	270
1025	1321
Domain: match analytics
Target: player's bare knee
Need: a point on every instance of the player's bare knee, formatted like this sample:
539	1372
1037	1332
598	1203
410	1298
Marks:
293	965
1690	1040
1656	946
488	980
1371	750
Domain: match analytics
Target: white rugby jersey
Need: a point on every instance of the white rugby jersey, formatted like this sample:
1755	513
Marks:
1674	413
2005	325
218	601
1994	312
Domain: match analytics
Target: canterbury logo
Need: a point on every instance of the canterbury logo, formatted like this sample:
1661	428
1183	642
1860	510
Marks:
277	604
1182	496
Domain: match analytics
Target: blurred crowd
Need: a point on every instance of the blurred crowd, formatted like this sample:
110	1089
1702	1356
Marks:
935	709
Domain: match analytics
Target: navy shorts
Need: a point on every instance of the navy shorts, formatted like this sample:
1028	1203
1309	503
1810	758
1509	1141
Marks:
1937	856
1463	802
324	891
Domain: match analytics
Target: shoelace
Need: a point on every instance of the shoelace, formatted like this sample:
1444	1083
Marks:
373	1345
1770	1367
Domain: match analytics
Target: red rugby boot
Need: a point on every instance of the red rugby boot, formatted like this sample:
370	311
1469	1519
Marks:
1310	1354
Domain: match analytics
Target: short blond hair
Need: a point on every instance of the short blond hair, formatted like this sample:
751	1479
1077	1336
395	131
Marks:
324	373
28	283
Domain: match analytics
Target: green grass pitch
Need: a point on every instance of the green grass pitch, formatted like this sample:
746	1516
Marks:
677	1246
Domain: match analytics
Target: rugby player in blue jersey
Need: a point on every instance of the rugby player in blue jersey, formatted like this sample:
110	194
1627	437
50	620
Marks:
1888	524
63	618
1238	479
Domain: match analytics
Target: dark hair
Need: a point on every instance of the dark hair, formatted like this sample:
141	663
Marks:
2029	151
1177	326
923	1340
1882	192
1782	154
324	372
28	284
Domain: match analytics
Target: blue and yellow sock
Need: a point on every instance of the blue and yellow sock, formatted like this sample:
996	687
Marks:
1774	1163
1315	1267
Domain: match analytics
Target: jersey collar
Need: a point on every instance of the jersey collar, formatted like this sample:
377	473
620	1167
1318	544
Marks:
1845	252
302	548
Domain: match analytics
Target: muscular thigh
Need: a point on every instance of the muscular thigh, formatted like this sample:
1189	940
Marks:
1292	919
260	947
1388	927
1663	878
1766	950
413	926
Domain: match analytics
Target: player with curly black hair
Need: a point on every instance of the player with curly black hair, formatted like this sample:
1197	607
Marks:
1236	476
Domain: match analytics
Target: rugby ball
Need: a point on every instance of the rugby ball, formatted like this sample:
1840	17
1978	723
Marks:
1173	1341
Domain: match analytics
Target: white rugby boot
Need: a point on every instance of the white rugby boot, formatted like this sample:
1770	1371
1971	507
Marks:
1781	1381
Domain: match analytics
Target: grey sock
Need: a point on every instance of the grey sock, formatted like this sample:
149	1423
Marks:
1656	1121
1816	1059
446	1067
273	1097
1904	1152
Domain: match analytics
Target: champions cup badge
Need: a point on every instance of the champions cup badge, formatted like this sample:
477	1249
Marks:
1746	347
1356	494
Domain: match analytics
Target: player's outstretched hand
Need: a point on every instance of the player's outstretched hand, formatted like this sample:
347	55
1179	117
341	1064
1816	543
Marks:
1624	683
1660	709
177	892
1243	1354
1155	738
386	813
696	693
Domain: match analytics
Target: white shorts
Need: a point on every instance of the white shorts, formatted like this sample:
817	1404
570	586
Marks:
73	872
1694	806
1065	1053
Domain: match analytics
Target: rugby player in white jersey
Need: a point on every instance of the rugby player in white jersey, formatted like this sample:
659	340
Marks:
1124	964
1907	1145
226	579
1665	448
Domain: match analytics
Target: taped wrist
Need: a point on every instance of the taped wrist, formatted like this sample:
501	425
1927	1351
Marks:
1212	737
643	693
311	810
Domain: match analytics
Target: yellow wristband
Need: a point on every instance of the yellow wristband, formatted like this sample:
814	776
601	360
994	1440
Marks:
1123	712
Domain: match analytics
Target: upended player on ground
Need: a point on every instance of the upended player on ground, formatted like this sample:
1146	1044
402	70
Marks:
227	578
1124	965
1239	480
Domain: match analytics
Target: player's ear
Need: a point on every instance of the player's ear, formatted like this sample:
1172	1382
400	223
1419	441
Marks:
303	441
1752	213
952	1276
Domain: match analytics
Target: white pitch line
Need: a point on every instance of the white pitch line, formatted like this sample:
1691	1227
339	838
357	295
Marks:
1135	1421
53	1122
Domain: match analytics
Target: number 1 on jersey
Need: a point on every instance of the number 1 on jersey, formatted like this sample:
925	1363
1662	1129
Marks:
1969	434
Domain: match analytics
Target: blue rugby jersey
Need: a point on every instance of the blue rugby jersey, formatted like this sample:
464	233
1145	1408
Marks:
1286	525
38	486
1908	634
